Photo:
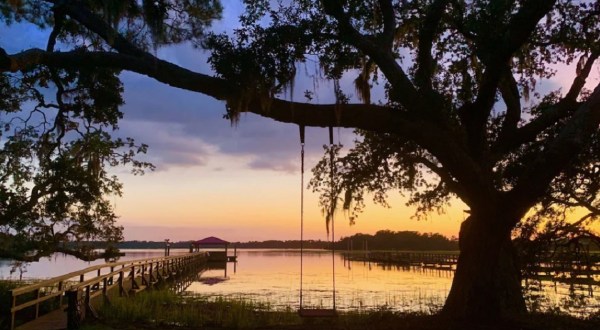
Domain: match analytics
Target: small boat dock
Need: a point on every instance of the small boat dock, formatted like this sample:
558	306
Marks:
215	243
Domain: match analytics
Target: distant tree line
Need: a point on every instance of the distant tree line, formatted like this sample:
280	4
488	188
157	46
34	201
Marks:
291	244
269	244
398	240
382	240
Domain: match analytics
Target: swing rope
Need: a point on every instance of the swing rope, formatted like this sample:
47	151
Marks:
315	312
301	207
331	159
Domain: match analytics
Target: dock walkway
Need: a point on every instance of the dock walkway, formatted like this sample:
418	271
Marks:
440	260
66	300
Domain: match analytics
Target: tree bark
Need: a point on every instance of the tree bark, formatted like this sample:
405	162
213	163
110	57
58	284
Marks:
487	283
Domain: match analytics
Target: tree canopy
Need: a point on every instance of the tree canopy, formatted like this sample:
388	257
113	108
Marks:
398	240
463	114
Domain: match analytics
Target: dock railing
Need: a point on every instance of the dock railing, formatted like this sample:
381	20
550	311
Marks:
427	259
76	290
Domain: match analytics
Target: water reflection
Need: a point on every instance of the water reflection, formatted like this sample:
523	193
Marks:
59	264
579	300
273	277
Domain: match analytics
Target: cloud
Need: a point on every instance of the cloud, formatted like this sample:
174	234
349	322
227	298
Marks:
168	147
184	128
21	36
170	120
159	233
288	166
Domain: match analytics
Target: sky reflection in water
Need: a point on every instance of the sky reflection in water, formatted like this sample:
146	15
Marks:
273	277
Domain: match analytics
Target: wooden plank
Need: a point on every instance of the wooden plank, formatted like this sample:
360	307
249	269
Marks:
52	321
37	301
138	289
317	312
52	281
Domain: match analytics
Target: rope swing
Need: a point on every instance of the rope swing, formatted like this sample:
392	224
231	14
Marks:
316	312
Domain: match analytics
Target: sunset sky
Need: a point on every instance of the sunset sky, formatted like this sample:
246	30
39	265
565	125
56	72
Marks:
238	183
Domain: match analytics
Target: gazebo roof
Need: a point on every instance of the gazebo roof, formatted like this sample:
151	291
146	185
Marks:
211	241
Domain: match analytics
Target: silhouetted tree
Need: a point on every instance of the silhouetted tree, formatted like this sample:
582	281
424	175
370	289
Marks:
463	114
398	240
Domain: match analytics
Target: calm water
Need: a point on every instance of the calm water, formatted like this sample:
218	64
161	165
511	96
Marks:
60	264
273	277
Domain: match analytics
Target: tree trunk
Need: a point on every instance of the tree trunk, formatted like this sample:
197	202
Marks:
487	283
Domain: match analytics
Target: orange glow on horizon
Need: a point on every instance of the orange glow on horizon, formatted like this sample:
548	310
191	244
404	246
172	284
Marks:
246	205
226	198
242	205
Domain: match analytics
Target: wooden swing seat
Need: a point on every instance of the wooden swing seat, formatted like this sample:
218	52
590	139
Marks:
317	312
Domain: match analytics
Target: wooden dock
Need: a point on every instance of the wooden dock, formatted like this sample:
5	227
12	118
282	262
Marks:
424	259
556	268
64	301
221	256
55	320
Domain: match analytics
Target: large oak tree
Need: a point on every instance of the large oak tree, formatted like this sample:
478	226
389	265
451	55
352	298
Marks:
463	113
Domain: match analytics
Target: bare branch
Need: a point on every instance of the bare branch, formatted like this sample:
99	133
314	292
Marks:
369	117
426	36
389	22
77	11
59	18
496	59
404	90
444	176
557	153
510	95
565	107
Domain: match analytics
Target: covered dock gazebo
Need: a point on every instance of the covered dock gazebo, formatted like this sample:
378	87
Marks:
212	242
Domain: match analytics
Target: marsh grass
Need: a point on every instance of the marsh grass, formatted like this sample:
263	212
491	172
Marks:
5	301
161	309
23	315
164	308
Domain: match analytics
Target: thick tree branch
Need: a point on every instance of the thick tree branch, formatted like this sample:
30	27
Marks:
496	58
362	116
368	117
95	24
77	11
458	20
594	211
562	109
556	155
389	22
418	127
160	70
510	94
444	176
519	29
382	119
59	18
589	216
38	191
404	91
427	32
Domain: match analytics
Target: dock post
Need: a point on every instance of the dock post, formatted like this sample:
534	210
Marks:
73	310
13	314
167	247
105	291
